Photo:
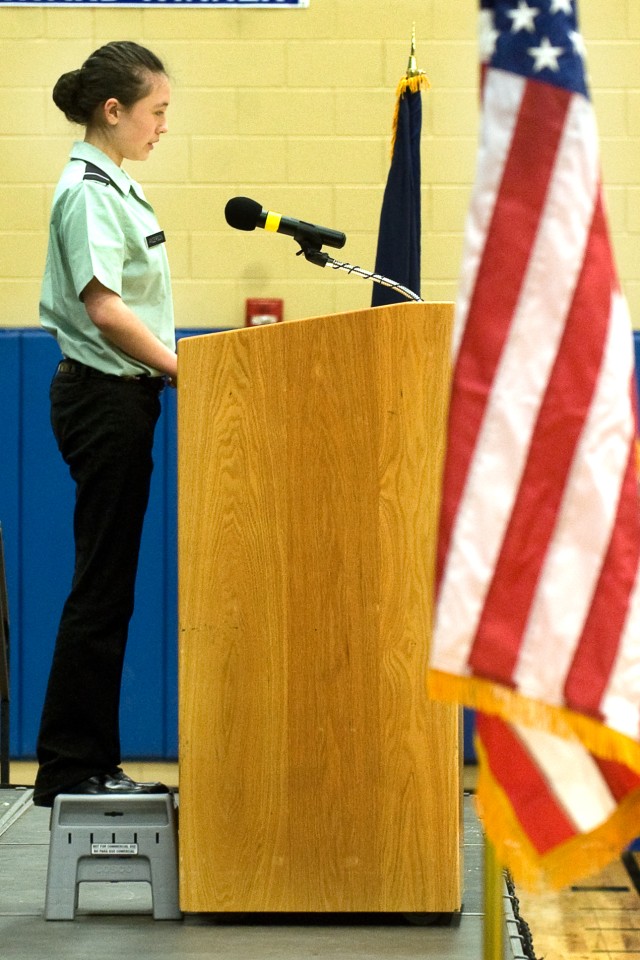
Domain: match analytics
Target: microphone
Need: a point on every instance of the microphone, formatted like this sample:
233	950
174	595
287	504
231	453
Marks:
245	214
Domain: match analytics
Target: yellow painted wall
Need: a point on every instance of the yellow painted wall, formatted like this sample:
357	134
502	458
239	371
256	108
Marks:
293	108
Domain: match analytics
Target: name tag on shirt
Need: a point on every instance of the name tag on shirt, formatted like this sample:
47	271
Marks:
155	238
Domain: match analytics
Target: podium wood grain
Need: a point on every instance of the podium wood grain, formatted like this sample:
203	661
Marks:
315	775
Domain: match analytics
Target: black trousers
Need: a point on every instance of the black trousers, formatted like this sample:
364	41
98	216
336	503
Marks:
104	428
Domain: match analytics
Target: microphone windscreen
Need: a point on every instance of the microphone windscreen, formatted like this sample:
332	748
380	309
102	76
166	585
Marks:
242	213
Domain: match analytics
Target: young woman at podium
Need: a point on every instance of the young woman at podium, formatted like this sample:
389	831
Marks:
106	297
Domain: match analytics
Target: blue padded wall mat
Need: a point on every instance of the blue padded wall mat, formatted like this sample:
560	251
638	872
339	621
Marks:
36	509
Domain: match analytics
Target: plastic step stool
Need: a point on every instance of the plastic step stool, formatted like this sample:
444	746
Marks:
113	839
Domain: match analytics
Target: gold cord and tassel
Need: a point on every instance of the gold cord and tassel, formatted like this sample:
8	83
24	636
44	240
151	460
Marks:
413	81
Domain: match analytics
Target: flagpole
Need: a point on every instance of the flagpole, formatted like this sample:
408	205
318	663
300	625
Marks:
493	904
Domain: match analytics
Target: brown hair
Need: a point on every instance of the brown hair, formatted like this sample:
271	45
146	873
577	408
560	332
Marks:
119	69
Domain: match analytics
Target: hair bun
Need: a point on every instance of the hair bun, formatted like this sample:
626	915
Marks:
67	96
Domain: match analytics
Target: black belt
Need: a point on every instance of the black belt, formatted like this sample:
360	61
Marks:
81	370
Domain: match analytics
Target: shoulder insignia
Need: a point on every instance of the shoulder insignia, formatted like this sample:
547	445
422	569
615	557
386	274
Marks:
95	173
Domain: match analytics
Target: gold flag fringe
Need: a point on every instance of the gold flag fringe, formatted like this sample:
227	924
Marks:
513	707
581	856
411	84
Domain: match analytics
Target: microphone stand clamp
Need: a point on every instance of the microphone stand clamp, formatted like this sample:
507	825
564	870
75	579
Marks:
310	245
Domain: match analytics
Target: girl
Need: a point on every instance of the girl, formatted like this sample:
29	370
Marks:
106	297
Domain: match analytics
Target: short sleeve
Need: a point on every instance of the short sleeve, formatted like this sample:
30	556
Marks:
92	235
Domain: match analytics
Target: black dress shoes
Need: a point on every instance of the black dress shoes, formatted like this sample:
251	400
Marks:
115	784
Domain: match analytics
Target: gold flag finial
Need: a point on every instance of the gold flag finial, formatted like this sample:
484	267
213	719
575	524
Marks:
412	69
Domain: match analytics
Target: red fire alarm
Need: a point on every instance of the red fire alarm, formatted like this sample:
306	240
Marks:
260	310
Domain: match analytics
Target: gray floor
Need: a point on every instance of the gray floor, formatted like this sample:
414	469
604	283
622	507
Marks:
114	922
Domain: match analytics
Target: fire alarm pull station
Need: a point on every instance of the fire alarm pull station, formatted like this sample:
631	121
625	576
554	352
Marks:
259	311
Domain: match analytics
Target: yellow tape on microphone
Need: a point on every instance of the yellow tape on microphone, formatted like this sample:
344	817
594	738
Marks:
273	221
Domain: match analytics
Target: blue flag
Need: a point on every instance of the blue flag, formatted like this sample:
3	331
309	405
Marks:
398	253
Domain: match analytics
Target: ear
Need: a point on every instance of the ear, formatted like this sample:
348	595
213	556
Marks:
111	111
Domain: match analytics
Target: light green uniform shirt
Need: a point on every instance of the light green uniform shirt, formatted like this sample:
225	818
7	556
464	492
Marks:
108	231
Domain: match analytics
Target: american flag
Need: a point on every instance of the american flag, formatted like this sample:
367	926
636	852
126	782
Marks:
538	609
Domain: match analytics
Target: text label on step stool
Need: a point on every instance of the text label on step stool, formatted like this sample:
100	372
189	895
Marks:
114	849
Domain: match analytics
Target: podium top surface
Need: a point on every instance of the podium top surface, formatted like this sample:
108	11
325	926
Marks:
437	311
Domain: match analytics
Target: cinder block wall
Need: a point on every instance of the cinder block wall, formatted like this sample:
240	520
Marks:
293	108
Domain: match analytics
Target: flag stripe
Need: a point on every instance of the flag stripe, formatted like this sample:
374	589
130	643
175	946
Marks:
620	779
574	558
516	394
572	776
508	254
620	711
561	788
502	103
550	455
591	668
543	819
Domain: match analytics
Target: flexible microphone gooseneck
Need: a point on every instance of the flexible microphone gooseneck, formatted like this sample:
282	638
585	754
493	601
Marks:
242	213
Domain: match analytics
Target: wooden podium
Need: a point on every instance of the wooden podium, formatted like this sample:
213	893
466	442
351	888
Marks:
315	775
